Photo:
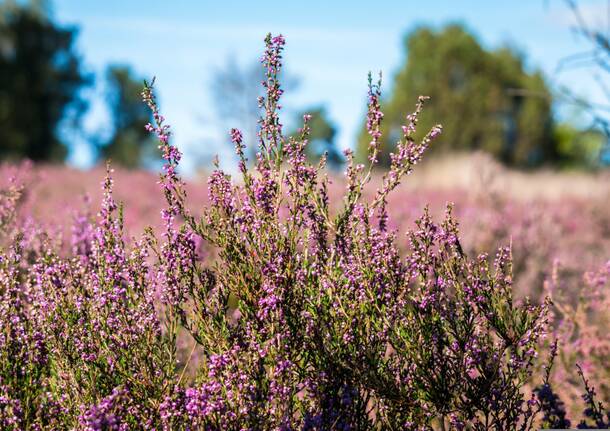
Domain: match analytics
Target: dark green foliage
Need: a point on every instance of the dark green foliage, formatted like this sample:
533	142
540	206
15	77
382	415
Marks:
40	83
485	99
129	141
579	147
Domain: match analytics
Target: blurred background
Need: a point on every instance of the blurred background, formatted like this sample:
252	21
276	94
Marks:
524	82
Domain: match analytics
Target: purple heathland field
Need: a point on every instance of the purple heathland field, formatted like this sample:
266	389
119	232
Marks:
289	298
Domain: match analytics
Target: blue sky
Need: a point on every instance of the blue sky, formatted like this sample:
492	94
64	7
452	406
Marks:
331	46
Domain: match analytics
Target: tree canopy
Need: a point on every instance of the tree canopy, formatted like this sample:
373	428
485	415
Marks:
129	142
486	100
40	82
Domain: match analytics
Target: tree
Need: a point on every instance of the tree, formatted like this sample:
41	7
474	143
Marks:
322	136
580	147
472	92
40	82
129	141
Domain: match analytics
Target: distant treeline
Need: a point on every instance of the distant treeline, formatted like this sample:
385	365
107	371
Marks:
486	100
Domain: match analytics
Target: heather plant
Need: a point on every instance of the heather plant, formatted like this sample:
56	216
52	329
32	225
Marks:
81	346
594	415
25	393
309	319
9	199
23	352
113	356
580	325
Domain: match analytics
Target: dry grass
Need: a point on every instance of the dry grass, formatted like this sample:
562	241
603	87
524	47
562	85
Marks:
478	172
